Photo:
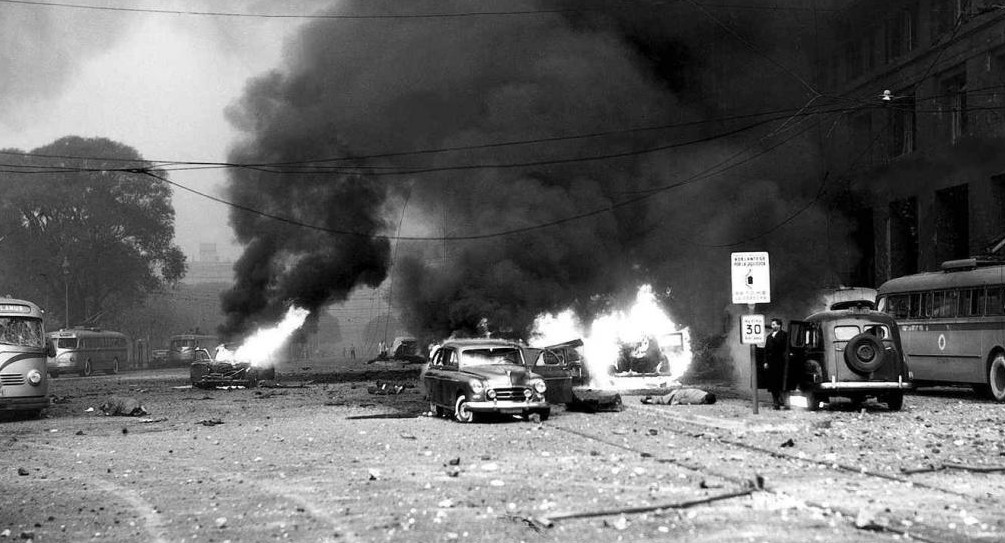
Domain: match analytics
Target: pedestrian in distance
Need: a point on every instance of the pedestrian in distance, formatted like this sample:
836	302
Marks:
776	355
352	352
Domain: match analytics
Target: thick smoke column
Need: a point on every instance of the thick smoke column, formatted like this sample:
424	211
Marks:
367	87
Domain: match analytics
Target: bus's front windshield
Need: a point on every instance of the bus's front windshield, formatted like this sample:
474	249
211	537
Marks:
66	343
21	331
481	357
182	344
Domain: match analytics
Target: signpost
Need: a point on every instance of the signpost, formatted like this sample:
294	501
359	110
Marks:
751	285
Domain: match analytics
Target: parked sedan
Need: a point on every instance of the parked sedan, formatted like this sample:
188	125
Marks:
471	377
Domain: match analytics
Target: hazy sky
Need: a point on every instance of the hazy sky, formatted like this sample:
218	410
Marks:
156	82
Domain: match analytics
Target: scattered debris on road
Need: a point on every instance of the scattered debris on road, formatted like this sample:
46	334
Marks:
122	406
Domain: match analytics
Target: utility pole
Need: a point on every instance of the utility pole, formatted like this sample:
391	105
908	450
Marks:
66	292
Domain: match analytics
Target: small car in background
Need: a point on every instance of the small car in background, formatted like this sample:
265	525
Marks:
471	377
851	351
205	372
158	358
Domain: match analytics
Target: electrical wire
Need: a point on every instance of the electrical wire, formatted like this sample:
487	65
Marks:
316	16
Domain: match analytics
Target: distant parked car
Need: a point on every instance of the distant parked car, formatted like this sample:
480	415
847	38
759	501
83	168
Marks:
158	358
468	378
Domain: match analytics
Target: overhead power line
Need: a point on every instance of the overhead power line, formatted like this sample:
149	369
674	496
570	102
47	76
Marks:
308	16
447	15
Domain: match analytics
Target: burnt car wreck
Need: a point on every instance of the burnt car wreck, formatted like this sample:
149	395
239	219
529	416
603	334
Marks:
205	372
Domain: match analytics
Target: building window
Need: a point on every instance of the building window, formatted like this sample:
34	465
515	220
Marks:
901	31
954	97
902	237
903	131
952	223
853	59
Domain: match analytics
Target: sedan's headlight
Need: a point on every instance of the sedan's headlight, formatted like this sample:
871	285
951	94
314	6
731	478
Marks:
34	377
539	386
476	386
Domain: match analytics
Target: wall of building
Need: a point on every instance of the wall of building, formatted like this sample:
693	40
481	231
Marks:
928	158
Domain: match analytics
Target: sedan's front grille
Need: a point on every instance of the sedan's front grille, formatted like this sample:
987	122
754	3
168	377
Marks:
11	379
515	393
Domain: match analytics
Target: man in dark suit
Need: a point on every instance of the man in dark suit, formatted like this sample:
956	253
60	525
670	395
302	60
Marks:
776	352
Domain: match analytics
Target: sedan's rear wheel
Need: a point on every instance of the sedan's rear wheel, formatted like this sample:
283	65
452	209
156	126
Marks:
461	411
812	400
895	400
996	378
435	410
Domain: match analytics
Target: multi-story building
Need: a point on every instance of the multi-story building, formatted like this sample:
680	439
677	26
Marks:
922	143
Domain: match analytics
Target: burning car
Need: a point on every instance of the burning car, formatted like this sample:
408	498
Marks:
207	372
471	377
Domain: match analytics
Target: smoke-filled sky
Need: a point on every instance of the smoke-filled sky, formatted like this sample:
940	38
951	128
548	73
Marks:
565	89
398	127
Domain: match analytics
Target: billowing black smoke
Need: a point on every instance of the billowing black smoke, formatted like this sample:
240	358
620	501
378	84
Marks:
580	222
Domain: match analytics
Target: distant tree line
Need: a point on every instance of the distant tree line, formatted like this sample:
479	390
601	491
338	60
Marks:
79	233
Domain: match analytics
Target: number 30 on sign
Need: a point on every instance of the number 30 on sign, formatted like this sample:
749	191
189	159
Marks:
751	329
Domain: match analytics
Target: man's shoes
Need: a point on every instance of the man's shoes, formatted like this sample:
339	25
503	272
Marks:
776	407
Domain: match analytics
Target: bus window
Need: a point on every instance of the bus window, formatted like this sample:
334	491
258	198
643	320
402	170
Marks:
938	300
21	331
915	310
66	343
926	303
898	306
945	303
995	306
964	302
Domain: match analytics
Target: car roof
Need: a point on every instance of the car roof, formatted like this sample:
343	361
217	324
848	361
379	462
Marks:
480	342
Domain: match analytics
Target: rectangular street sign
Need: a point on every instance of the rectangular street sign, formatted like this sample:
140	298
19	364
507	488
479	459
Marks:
751	278
752	329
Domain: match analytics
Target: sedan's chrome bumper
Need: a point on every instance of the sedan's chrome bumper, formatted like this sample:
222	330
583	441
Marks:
507	406
866	385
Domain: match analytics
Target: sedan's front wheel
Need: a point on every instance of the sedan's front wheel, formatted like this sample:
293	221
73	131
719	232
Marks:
461	411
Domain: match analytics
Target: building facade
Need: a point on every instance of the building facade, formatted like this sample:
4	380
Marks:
922	138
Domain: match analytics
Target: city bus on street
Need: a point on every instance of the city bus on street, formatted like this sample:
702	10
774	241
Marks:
182	347
24	386
952	323
86	350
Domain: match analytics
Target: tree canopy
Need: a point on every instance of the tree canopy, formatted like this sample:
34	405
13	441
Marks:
73	223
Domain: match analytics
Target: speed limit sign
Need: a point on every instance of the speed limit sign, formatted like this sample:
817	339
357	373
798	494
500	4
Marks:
751	329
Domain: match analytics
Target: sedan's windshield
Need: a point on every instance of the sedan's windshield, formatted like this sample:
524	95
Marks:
21	331
491	355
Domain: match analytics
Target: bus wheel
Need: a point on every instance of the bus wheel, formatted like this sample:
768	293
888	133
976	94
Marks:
115	366
996	378
86	370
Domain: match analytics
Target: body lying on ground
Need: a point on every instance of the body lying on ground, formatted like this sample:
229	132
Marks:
682	396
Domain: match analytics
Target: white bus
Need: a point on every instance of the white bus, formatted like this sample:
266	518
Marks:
24	386
86	350
952	323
